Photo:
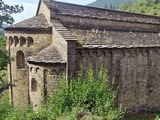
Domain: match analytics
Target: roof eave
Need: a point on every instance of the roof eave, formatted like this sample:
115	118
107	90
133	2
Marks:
31	61
20	28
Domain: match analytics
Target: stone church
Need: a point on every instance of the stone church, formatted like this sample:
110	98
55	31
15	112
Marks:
62	37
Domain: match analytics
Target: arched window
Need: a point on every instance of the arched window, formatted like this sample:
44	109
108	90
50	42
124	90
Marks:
79	54
22	41
16	40
53	72
20	59
33	85
10	41
30	41
37	70
31	69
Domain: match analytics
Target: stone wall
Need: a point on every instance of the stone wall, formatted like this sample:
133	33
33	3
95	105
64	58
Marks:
60	42
27	45
136	72
45	76
44	9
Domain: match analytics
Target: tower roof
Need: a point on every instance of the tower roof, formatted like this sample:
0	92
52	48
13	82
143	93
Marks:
38	21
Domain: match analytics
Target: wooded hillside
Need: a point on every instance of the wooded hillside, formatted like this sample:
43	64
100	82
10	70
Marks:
150	7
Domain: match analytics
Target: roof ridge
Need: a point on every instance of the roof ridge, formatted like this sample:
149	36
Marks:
93	12
55	1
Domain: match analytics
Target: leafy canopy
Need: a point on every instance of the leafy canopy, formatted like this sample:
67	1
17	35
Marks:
150	7
6	11
4	59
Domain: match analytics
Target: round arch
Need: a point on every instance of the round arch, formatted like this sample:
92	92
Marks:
33	85
16	41
20	60
22	41
10	41
30	41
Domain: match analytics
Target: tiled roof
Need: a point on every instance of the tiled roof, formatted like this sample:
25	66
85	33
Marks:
86	11
47	55
38	21
118	38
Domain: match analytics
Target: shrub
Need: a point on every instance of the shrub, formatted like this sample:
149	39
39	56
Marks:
86	95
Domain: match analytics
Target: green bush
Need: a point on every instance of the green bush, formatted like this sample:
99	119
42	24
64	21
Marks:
85	96
2	41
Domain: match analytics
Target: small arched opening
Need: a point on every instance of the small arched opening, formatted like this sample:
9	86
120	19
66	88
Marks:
53	72
22	41
30	41
16	40
37	70
79	53
33	85
20	59
10	41
31	69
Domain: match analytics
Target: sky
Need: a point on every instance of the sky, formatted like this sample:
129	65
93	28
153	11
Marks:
30	7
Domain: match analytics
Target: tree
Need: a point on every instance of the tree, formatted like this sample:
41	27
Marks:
7	11
150	7
4	59
5	17
105	6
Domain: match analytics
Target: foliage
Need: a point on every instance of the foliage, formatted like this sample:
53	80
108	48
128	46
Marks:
150	7
2	41
112	7
83	98
102	3
6	12
3	77
4	59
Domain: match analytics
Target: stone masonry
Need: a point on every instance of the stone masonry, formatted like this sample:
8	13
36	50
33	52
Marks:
62	37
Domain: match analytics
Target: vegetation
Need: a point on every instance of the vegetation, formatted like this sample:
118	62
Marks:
4	98
112	7
5	17
6	12
4	59
150	7
83	98
103	3
3	54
